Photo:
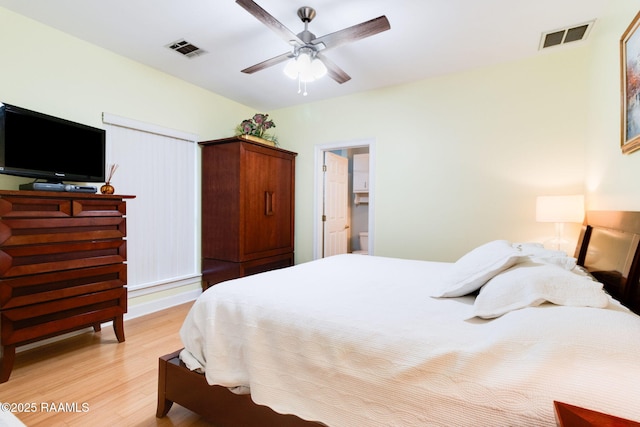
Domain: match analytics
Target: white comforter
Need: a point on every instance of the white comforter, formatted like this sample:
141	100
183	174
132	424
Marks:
357	340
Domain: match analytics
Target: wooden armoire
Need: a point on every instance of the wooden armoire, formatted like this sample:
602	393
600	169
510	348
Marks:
247	209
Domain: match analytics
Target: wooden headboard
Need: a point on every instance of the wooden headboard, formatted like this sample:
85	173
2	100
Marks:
609	248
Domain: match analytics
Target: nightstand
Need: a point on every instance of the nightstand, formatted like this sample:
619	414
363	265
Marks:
574	416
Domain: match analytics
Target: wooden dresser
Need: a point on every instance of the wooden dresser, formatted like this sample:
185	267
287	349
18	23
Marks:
62	266
247	209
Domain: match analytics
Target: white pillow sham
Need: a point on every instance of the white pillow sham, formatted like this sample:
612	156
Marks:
530	284
473	269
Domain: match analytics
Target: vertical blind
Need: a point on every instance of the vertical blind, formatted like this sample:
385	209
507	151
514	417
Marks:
158	166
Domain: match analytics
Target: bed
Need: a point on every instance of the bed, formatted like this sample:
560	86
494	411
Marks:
493	339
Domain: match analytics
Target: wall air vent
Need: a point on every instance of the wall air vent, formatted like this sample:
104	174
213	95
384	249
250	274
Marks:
185	48
565	35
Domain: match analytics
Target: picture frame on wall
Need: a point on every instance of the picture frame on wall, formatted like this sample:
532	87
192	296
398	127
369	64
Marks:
630	87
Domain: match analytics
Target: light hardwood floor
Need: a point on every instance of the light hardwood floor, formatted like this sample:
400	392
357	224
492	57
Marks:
116	382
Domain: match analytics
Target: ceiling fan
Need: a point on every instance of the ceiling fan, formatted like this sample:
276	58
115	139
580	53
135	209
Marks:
309	48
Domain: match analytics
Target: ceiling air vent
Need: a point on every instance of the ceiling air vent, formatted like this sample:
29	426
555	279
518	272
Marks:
565	35
185	48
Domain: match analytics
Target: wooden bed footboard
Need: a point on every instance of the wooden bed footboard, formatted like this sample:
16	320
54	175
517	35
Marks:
177	384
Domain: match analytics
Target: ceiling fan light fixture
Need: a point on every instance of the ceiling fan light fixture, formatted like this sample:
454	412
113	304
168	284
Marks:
304	61
318	69
291	69
305	67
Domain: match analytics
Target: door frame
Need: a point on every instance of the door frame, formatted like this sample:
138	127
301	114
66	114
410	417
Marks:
318	199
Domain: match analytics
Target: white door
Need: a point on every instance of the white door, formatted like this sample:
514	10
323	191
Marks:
336	204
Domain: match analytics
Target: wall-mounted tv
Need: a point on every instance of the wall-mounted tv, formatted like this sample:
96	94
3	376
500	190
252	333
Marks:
40	146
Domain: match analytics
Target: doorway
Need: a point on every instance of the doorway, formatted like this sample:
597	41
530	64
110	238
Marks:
358	221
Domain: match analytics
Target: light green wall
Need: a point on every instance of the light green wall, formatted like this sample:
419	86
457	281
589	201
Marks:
460	158
612	179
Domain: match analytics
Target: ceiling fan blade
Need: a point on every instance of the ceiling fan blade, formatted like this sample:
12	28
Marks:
335	72
356	32
268	63
268	20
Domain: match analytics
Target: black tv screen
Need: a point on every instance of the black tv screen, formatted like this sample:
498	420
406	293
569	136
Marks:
40	146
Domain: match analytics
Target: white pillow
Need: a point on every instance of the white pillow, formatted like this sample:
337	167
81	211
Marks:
530	284
473	270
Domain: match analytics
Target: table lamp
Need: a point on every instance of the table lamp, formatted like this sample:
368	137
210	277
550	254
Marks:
559	210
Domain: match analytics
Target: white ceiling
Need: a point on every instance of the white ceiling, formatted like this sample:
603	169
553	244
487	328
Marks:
427	38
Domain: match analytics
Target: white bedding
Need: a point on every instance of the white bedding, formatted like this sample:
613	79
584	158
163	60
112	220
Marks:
356	340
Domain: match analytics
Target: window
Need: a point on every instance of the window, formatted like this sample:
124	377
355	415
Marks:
159	167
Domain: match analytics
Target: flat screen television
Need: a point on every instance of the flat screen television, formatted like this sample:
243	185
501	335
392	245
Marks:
44	147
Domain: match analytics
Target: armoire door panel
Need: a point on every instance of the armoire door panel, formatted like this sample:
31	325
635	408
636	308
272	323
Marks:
220	201
268	208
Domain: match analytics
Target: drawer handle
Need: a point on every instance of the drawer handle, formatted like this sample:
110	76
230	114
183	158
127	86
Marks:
268	203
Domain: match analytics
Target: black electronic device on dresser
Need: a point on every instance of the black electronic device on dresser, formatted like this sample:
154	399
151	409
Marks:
53	149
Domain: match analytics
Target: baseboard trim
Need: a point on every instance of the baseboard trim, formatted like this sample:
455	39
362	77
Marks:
161	304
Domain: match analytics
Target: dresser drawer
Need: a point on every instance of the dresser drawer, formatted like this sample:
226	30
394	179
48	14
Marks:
46	287
36	259
216	271
98	207
21	231
33	207
266	264
37	321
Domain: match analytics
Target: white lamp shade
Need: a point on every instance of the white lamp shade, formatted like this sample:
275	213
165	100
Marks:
291	69
560	208
318	68
304	68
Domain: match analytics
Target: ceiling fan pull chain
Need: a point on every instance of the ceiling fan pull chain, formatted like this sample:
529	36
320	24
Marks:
300	83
